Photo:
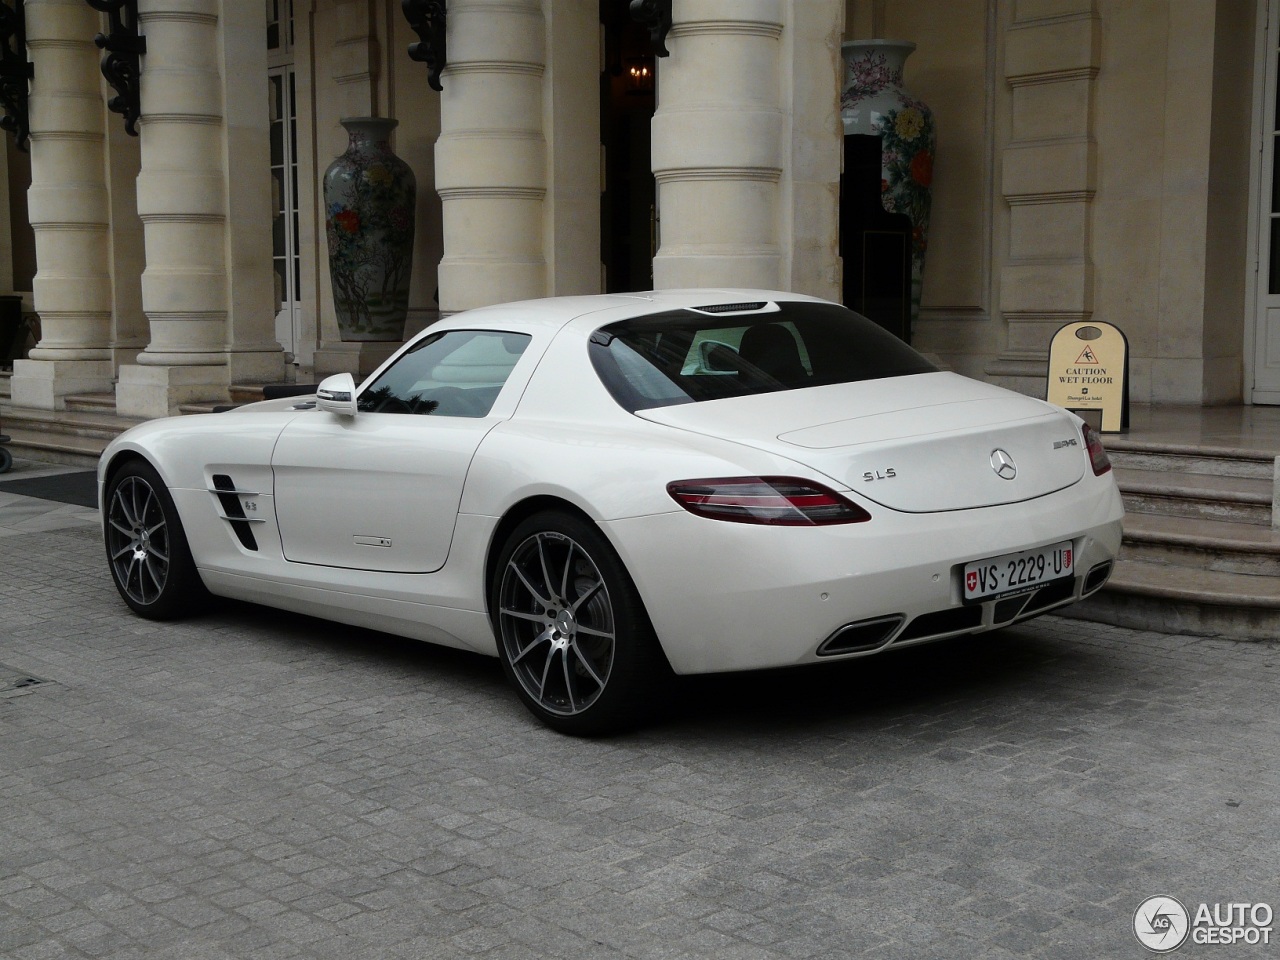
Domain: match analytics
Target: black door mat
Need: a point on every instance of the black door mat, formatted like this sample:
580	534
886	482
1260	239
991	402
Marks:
79	488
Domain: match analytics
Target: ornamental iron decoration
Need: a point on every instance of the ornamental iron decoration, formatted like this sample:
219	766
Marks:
656	15
15	72
122	63
427	18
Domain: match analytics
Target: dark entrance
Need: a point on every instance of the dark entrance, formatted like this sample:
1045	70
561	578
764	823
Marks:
874	244
628	218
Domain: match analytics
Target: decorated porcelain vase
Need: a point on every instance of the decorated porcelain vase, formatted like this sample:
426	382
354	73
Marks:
874	103
369	196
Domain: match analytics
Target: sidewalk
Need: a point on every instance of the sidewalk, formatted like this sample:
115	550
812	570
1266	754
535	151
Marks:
257	785
24	514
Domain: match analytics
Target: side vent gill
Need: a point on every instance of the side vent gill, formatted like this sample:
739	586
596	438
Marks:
224	489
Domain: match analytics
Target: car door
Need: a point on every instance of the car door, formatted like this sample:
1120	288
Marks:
380	491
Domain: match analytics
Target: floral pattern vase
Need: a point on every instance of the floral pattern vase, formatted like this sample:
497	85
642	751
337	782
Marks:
369	196
873	103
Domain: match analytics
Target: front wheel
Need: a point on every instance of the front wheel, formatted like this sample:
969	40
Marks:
573	635
146	548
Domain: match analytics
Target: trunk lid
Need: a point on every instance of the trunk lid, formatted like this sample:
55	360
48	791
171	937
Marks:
919	444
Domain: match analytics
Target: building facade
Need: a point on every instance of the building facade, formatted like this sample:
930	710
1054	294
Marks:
1104	159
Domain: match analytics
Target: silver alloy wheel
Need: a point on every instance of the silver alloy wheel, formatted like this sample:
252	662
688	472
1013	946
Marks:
138	540
556	623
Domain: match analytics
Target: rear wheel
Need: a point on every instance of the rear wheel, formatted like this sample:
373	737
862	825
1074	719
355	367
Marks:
573	635
146	548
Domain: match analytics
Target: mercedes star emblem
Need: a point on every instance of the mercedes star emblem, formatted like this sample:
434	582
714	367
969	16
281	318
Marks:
1003	464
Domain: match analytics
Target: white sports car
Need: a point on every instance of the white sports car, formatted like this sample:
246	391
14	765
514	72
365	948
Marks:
600	490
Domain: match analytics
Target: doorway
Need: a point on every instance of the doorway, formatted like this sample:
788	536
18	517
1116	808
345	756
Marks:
875	245
628	205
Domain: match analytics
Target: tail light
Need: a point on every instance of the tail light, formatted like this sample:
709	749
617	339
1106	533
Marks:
1097	455
777	501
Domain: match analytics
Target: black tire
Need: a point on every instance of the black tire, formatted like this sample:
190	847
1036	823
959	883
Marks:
147	550
6	460
572	632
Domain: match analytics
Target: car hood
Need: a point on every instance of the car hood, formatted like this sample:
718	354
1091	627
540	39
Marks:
299	402
918	444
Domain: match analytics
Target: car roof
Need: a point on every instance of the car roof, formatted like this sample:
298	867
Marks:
552	313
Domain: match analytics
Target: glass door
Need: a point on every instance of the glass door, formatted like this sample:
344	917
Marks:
1266	346
284	176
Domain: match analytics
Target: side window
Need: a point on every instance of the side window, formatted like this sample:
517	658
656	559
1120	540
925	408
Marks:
457	373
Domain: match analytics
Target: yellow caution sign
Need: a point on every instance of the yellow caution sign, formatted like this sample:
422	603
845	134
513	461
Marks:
1089	374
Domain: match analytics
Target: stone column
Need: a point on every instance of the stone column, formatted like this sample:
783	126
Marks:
68	207
811	180
718	146
491	167
253	353
572	118
188	175
1048	176
128	259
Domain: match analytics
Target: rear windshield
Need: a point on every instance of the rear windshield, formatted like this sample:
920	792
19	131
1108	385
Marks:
685	356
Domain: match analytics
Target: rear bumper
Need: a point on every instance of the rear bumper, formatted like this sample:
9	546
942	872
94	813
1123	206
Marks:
729	596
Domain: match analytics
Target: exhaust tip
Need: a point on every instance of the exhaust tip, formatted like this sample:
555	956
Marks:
861	636
1096	578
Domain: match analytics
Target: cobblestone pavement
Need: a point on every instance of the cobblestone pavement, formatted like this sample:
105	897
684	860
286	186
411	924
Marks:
252	784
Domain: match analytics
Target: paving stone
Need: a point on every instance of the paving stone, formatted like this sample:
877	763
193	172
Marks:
254	784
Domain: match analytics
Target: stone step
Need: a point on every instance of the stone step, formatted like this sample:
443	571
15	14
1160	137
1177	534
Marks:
1196	495
92	402
246	392
1176	599
1199	555
83	423
106	402
53	448
1212	545
1217	461
72	437
5	390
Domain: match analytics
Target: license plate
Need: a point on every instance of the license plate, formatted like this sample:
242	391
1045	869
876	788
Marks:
1016	573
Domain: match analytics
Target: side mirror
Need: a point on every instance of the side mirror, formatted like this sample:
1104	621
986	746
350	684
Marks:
337	394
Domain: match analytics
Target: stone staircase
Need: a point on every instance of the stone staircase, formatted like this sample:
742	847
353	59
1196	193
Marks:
1199	553
78	435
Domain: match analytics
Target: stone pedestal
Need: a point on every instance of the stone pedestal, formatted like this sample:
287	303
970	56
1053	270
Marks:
44	384
357	359
158	391
263	364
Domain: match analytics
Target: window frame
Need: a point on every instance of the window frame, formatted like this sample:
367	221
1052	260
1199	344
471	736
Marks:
461	396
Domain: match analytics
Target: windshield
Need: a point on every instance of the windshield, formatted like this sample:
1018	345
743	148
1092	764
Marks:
686	356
